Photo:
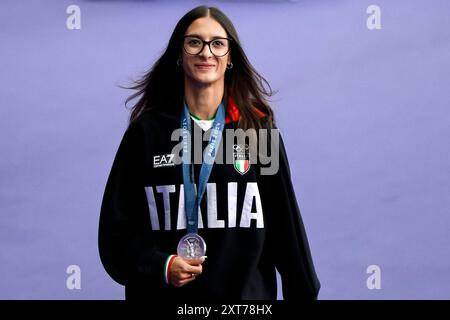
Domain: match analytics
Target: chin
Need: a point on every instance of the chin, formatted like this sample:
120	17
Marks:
205	79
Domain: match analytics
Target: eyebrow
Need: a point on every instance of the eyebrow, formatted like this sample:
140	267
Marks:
199	36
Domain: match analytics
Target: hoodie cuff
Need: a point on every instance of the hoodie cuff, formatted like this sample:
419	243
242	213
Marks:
169	261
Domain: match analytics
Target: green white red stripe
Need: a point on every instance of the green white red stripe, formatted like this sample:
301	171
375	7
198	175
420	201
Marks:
241	165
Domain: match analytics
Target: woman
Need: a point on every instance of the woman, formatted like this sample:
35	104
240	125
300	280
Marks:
160	213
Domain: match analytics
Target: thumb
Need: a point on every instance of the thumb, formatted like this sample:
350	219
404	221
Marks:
195	262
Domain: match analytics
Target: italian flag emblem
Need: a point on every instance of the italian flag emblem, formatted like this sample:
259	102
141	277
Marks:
241	166
241	158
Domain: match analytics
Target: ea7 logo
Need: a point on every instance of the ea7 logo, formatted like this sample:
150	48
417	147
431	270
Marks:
163	160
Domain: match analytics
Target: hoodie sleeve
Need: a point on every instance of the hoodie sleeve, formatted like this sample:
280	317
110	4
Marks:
286	235
125	248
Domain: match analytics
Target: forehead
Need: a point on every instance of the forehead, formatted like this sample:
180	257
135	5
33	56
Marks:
206	28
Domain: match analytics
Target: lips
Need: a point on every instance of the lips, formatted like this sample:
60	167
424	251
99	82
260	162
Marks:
204	66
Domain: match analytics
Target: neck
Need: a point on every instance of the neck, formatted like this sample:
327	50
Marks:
203	100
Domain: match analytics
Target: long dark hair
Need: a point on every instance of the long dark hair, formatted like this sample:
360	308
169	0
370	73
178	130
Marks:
162	87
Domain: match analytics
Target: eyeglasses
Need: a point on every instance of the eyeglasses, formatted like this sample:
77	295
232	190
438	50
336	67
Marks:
218	46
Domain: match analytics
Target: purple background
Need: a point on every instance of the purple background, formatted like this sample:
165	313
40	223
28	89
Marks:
365	115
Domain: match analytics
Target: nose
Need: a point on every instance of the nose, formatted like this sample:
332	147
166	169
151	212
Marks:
206	51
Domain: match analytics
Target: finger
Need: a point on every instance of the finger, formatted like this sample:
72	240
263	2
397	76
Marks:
193	269
186	275
186	281
195	262
180	282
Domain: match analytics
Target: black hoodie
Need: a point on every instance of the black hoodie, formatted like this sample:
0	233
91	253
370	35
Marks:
251	223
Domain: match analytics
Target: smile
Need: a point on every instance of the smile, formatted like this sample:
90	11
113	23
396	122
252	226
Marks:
204	66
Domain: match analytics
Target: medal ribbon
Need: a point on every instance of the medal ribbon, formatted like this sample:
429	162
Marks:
192	198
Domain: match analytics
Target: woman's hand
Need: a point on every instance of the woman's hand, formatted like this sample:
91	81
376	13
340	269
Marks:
184	271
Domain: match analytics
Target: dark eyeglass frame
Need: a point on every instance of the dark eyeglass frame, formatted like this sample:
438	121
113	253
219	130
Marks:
207	43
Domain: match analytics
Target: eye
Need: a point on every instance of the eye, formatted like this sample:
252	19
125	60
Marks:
218	43
194	42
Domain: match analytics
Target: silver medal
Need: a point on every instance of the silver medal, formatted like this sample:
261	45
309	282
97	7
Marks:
191	246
